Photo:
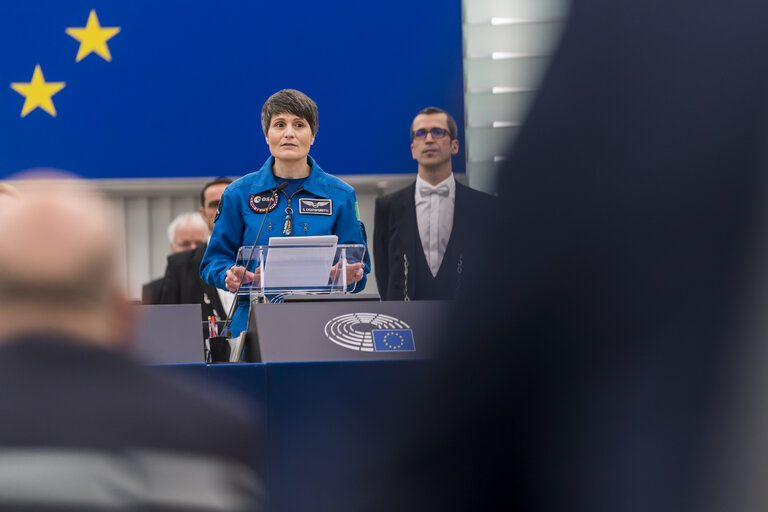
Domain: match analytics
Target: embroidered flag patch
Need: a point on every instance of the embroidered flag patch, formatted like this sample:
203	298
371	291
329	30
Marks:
316	206
263	202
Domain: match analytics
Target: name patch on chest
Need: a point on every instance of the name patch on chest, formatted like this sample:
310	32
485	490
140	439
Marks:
316	206
263	202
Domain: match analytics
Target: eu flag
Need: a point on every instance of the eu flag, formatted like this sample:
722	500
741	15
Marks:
393	340
174	88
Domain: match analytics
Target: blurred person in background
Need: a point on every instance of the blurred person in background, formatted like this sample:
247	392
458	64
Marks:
182	283
185	232
85	427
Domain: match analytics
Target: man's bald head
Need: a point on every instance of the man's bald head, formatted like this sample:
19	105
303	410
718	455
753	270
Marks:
58	262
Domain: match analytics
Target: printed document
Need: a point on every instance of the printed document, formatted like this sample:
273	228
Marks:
302	261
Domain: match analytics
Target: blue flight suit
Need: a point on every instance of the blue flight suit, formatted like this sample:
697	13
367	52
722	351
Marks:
246	201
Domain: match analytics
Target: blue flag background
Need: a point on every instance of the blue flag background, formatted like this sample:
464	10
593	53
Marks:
183	92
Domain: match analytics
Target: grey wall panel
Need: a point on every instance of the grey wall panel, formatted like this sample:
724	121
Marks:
484	108
161	214
479	10
484	175
532	38
485	144
137	229
507	46
118	206
183	204
483	74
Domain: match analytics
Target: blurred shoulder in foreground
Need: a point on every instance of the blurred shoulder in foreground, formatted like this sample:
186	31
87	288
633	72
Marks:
611	377
84	426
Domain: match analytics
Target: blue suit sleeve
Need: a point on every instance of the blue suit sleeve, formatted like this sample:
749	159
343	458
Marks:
351	231
225	241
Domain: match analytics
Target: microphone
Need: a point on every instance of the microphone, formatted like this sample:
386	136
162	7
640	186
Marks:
225	329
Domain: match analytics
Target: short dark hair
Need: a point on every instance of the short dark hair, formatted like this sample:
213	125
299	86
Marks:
293	102
453	129
218	180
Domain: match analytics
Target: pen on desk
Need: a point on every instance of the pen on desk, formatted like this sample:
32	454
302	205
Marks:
213	321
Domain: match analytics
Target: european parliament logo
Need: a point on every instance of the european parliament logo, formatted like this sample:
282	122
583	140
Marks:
360	331
393	340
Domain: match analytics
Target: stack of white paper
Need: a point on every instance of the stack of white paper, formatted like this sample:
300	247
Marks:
290	266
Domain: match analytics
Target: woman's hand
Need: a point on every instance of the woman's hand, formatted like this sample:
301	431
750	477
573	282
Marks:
355	272
235	274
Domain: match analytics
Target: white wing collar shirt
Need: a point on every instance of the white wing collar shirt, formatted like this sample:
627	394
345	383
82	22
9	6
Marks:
434	215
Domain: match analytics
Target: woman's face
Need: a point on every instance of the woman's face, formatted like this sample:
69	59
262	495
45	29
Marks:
289	137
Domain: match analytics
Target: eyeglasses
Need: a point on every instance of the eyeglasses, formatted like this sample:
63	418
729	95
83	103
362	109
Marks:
188	244
437	133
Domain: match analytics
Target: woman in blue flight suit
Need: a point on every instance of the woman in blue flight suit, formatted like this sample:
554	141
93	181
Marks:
312	202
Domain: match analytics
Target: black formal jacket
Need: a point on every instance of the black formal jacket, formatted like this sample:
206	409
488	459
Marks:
150	292
182	284
396	238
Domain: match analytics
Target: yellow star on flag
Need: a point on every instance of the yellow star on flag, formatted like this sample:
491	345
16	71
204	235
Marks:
37	93
93	38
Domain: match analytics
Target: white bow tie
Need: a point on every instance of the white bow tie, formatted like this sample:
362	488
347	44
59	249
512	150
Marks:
441	190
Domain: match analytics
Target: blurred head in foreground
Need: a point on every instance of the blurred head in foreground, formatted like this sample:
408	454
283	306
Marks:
74	407
58	269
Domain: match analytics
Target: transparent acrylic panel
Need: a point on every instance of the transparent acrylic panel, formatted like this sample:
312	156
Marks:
281	270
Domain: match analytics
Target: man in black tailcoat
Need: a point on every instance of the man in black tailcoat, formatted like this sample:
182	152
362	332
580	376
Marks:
426	234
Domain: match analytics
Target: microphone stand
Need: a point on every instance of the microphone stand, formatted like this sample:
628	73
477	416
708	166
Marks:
261	298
